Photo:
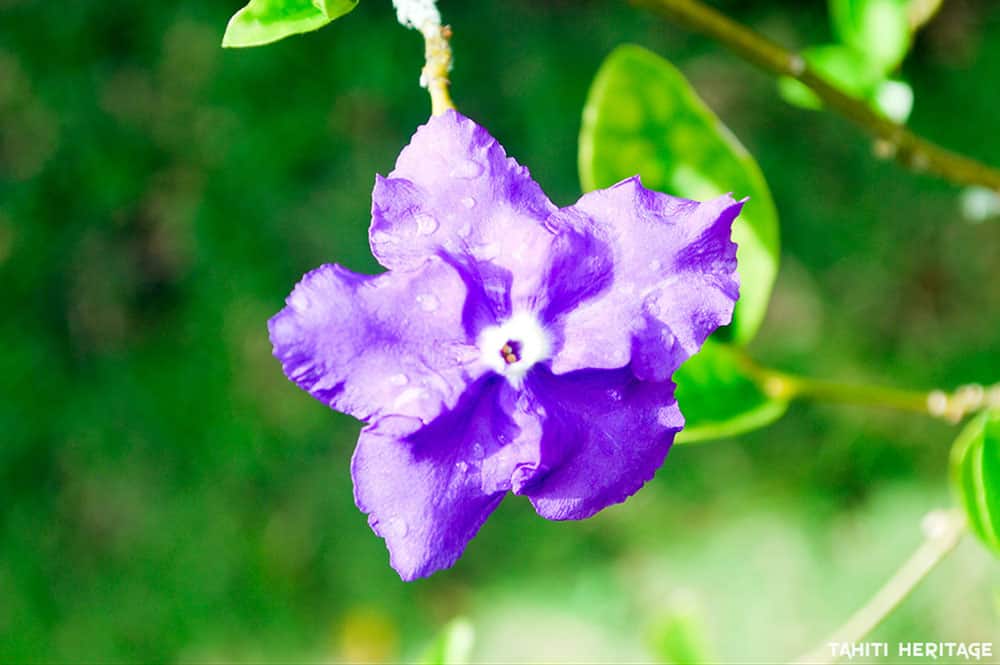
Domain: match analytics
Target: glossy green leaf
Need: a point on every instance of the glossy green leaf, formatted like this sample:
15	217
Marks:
975	459
265	21
719	397
643	117
452	646
842	66
879	30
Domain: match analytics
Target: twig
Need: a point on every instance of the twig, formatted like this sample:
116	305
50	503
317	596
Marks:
942	531
893	139
952	407
424	16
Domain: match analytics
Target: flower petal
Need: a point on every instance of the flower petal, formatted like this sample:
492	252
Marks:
580	266
370	346
428	491
605	434
674	280
454	190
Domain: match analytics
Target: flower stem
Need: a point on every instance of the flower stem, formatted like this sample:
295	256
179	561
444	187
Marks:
892	139
952	407
437	55
942	531
424	16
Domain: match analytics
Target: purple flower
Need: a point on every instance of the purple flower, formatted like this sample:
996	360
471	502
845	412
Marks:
512	346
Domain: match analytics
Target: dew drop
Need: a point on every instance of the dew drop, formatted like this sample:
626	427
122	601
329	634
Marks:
461	467
383	238
428	302
300	300
615	395
468	202
399	379
467	170
667	417
426	225
489	251
409	397
397	527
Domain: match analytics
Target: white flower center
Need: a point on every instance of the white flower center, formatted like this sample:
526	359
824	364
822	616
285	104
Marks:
514	346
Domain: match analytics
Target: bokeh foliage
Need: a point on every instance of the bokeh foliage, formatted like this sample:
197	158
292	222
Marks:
167	495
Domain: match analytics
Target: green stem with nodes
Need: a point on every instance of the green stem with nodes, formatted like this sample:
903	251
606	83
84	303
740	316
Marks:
892	139
942	532
952	407
424	16
437	56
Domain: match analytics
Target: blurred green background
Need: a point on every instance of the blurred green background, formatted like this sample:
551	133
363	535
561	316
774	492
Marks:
167	495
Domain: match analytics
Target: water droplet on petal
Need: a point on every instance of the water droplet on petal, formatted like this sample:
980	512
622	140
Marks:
399	379
461	467
468	201
667	417
489	251
426	225
428	302
615	395
396	527
383	238
300	300
467	170
409	398
477	451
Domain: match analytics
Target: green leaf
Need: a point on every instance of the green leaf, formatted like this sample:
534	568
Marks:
849	71
266	21
678	638
975	459
719	397
643	117
879	30
841	66
452	646
798	94
920	12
